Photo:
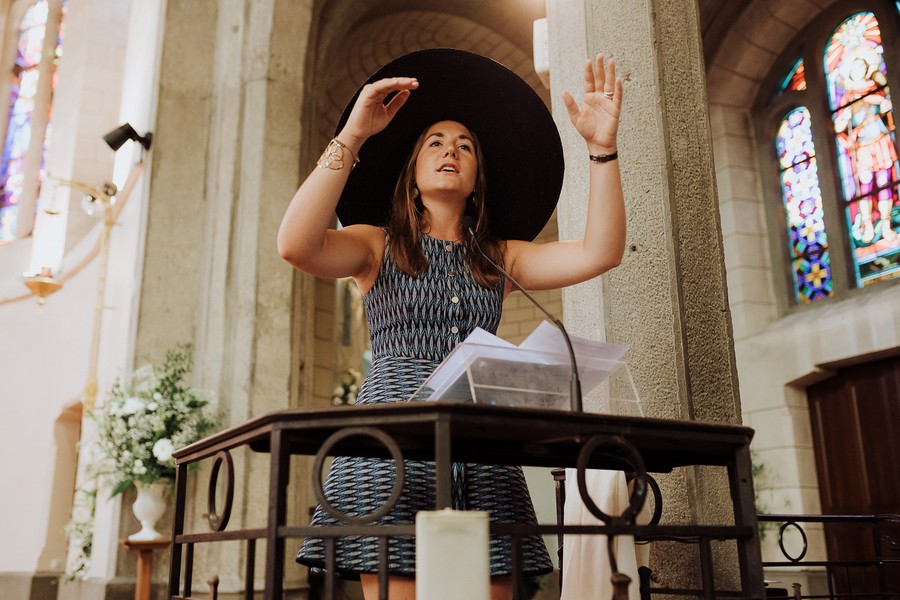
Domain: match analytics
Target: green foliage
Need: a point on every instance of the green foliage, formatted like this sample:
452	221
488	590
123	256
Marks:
760	474
80	532
147	418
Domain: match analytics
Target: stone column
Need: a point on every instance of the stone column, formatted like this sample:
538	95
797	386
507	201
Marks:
668	298
226	163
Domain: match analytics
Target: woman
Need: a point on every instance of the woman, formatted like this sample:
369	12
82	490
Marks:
485	146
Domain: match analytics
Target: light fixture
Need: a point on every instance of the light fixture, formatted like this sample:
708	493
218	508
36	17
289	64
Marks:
95	200
121	134
43	284
91	205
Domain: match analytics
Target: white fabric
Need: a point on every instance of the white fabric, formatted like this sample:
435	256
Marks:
586	571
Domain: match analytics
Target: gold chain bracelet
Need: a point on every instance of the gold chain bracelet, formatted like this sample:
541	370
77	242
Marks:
333	156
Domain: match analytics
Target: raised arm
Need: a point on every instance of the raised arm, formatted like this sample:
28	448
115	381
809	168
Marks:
305	238
562	263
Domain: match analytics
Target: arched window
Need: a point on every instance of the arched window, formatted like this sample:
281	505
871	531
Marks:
829	118
802	196
26	134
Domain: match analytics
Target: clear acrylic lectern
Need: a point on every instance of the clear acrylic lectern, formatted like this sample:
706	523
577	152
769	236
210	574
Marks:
511	376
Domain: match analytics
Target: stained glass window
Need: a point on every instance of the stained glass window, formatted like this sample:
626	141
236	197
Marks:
802	197
862	113
796	78
852	185
24	90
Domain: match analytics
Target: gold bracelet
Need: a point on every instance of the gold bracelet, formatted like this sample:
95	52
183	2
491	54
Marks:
333	156
602	158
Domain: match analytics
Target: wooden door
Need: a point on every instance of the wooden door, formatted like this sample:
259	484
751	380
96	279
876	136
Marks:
856	434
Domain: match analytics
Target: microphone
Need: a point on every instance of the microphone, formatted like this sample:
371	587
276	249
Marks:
468	225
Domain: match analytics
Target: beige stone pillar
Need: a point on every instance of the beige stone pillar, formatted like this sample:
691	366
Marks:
668	298
226	163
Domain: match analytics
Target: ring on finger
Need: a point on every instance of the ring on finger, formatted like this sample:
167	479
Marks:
609	94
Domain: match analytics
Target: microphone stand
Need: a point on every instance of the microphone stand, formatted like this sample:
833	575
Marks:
575	384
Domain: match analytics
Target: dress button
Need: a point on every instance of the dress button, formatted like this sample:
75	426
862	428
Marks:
455	299
452	273
448	247
454	329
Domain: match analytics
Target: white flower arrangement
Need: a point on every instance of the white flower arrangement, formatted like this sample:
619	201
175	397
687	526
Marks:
347	388
146	419
138	428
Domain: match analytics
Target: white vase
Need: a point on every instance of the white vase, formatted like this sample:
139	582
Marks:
149	507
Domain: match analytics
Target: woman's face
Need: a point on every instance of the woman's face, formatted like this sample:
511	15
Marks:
446	162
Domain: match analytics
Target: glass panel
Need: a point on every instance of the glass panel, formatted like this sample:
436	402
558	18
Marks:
802	197
880	259
8	222
813	278
796	79
18	137
35	16
795	143
860	99
23	93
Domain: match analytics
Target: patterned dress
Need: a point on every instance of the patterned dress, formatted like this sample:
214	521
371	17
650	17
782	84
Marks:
414	323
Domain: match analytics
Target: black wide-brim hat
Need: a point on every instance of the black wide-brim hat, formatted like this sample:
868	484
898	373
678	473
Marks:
519	141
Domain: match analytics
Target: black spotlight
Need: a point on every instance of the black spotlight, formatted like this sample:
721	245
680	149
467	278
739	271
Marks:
121	134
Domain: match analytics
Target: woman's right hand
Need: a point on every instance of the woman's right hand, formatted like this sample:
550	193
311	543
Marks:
370	114
306	238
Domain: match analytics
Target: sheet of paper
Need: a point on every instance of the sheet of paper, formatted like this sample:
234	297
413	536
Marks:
480	336
548	338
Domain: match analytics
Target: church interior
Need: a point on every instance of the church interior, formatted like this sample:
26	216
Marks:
151	147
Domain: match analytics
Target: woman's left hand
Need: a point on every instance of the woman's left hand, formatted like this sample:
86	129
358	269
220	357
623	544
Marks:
597	120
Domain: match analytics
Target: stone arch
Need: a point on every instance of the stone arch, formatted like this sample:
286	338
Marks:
778	356
373	42
735	74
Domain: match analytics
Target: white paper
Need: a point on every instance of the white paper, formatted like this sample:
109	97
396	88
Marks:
548	338
480	336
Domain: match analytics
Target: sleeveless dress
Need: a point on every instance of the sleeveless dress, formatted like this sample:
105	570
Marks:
414	323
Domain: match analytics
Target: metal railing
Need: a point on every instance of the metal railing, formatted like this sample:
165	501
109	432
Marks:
869	569
447	433
863	556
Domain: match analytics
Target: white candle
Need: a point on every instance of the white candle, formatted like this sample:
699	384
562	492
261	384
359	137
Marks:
452	555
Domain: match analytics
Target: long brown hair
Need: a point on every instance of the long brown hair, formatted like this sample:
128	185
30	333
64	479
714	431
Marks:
407	212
